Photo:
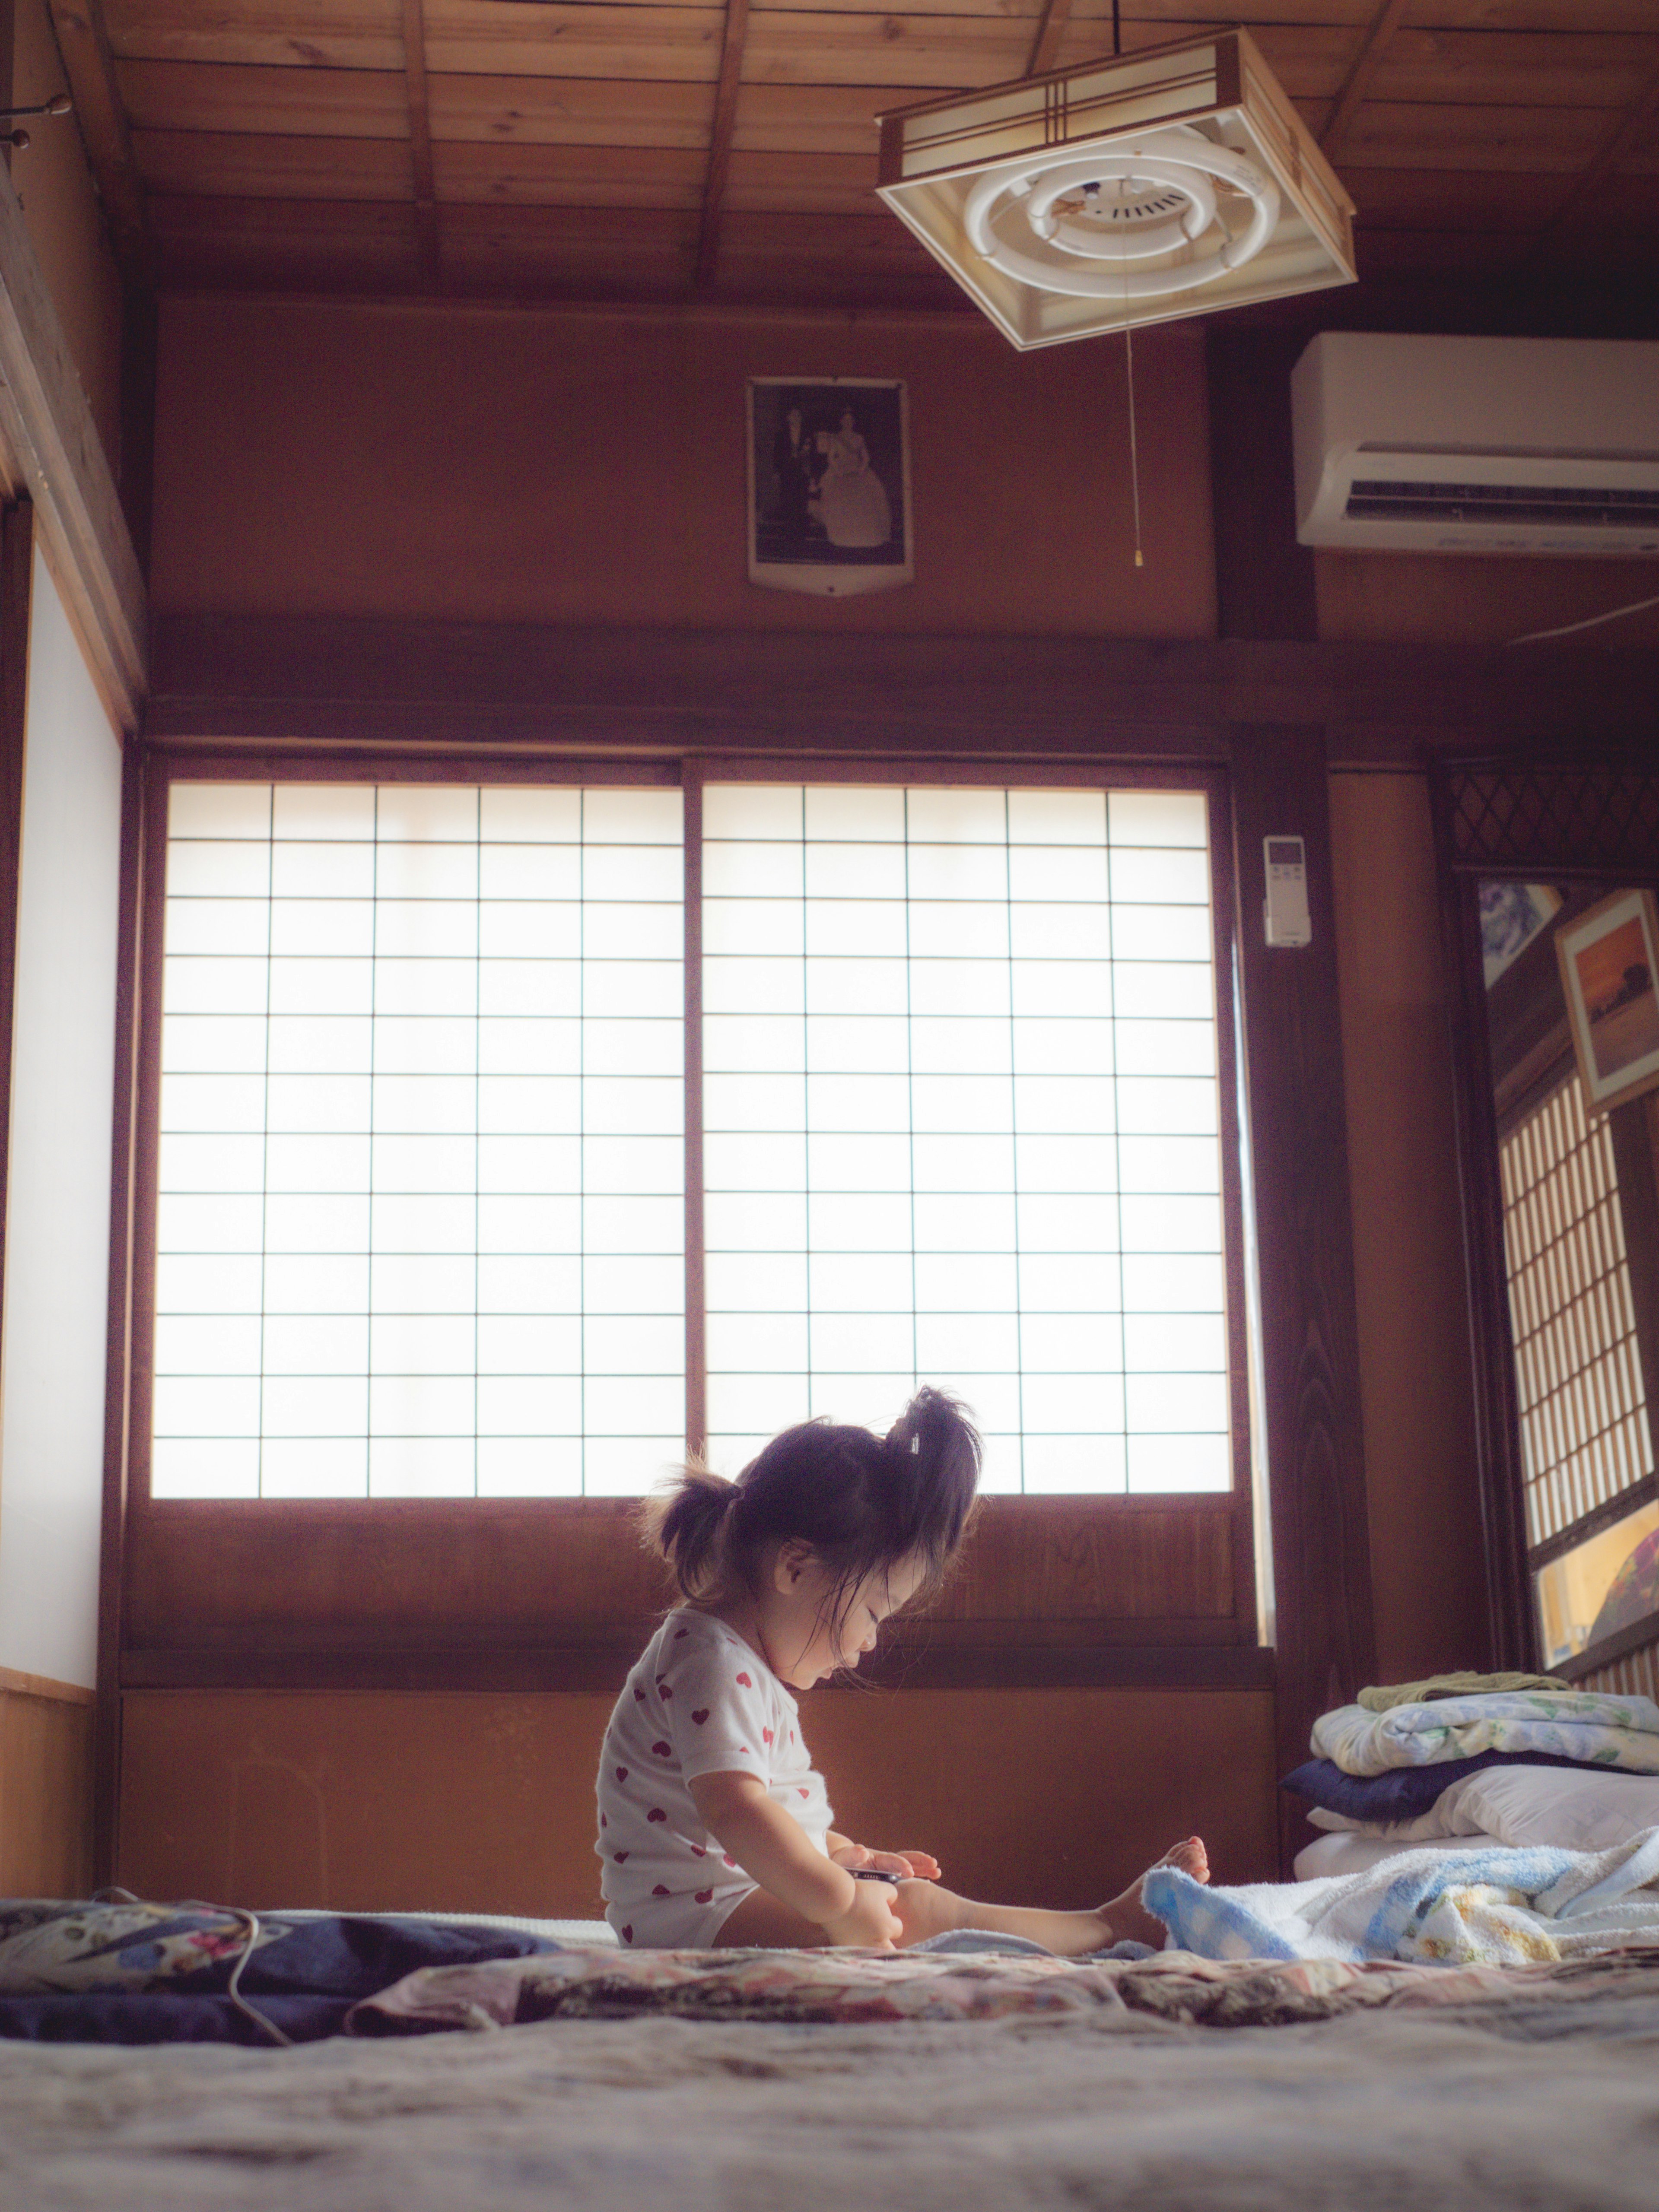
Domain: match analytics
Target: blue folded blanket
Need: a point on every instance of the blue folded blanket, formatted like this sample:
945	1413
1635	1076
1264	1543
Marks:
73	1972
1404	1793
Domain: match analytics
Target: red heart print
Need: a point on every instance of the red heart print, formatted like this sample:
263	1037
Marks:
621	1774
619	1857
704	1896
628	1935
657	1814
663	1691
727	1856
698	1852
604	1823
766	1735
661	1890
806	1793
700	1717
663	1750
743	1682
638	1694
679	1632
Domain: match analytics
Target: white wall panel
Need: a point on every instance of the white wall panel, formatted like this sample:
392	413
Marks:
56	1283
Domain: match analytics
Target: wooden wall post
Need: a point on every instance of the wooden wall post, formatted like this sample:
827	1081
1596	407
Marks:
1304	1236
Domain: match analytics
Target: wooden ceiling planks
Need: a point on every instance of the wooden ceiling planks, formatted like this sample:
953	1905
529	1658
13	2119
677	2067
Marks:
1051	30
727	88
1462	127
1368	57
89	64
420	139
312	103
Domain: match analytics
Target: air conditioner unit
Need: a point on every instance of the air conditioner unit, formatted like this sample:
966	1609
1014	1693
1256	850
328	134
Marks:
1454	445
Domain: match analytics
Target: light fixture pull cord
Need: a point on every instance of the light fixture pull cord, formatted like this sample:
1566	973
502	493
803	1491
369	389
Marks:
1134	450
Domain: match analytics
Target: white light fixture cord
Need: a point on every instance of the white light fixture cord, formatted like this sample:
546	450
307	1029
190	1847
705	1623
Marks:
1134	450
1129	363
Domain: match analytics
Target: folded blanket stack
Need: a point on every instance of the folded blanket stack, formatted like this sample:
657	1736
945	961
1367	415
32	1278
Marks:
1386	1761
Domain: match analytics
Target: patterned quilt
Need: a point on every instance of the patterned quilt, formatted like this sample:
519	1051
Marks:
854	1986
142	1972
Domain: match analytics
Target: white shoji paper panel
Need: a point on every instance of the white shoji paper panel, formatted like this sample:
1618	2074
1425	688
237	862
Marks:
961	1124
421	1220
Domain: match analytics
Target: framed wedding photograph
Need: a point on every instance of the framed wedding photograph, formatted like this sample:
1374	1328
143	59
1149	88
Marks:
828	485
1609	959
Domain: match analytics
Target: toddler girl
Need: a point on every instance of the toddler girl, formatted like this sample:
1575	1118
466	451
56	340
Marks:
714	1824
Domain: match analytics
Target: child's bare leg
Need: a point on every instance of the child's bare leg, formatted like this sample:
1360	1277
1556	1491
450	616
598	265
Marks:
927	1909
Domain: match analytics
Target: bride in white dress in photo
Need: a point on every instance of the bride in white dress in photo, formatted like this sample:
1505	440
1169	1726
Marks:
852	501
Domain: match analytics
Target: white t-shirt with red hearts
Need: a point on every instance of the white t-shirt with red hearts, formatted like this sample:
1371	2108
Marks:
698	1701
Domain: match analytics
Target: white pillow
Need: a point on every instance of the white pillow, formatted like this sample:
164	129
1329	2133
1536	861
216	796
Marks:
1445	1817
1582	1809
1350	1854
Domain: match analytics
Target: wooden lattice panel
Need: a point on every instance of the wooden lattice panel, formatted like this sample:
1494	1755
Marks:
1635	1675
1585	1432
1556	817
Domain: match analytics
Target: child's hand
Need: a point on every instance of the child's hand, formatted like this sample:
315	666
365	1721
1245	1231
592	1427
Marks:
918	1866
869	1923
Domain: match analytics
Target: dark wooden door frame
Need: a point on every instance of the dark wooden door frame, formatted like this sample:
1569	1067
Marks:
1529	816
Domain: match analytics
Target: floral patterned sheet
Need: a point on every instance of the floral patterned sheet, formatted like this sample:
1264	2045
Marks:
859	1986
1590	1726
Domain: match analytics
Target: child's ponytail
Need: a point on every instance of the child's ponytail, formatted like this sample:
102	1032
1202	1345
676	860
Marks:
682	1522
933	1451
861	1502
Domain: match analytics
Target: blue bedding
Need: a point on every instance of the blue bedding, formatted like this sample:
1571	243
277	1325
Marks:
132	1972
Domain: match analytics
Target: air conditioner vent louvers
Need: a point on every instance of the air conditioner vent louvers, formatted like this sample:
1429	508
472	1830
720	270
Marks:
1475	445
1602	504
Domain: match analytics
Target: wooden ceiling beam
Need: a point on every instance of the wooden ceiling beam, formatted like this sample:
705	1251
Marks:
1050	30
1378	34
420	139
84	41
720	143
1623	139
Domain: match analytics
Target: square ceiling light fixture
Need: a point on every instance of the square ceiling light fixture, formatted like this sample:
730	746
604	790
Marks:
1164	183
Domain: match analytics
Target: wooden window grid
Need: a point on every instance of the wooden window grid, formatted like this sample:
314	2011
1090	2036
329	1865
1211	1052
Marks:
1584	1431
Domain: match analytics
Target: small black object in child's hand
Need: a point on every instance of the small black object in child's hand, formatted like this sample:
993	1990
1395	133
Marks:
873	1874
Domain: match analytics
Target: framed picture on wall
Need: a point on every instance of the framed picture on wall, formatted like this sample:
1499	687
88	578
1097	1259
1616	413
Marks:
828	485
1609	959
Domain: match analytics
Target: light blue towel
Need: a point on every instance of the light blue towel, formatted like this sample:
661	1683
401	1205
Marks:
1453	1908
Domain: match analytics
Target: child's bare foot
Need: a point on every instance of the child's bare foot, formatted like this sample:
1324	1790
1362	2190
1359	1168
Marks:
1126	1918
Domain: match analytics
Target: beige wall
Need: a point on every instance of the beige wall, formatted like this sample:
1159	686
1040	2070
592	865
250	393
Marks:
1427	1552
1450	599
65	225
494	465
